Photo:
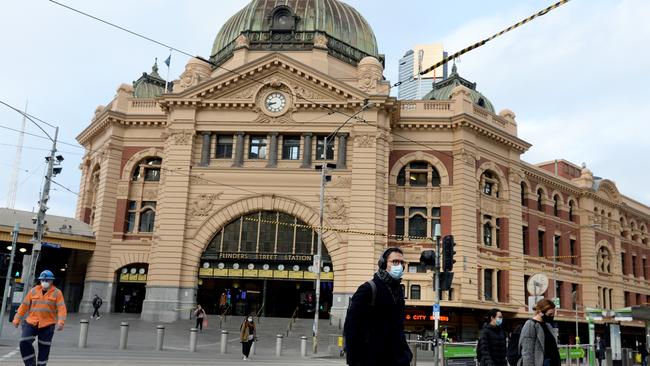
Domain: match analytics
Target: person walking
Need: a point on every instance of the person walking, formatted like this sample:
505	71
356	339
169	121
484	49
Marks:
600	349
42	309
374	326
200	315
97	303
492	340
537	341
247	336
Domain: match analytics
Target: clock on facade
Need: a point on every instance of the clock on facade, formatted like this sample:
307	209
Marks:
275	102
537	284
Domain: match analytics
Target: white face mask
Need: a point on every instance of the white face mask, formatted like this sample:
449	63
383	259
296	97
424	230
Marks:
250	319
45	284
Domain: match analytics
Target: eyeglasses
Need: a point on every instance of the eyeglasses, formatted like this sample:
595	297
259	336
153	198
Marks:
396	262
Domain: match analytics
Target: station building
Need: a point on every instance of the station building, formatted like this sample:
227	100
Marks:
209	189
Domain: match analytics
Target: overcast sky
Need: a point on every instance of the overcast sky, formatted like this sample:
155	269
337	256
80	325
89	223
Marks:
577	78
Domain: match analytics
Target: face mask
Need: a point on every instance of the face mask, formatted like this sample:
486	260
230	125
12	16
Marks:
396	271
45	284
250	319
499	322
548	318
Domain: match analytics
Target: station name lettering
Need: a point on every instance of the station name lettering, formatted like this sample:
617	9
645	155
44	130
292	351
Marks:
266	257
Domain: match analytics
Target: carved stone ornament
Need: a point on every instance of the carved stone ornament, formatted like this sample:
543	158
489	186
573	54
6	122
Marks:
320	41
246	93
466	156
195	72
336	209
203	204
364	141
181	137
150	194
265	119
369	73
242	41
122	190
196	179
341	182
302	92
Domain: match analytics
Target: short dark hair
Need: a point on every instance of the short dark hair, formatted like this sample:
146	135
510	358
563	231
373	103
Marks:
383	260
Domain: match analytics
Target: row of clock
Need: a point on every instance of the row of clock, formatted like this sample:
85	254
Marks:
266	267
134	271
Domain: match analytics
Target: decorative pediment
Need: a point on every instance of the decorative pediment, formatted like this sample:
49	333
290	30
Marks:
608	188
241	87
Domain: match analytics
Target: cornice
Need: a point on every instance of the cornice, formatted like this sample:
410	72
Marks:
108	118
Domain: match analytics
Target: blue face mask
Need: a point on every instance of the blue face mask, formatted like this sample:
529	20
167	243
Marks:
396	271
499	322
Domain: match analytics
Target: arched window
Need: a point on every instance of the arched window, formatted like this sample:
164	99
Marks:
489	184
147	169
556	205
282	19
418	174
523	194
147	217
418	222
540	199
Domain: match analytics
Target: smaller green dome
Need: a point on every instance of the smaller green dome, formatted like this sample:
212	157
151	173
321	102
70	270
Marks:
442	90
149	85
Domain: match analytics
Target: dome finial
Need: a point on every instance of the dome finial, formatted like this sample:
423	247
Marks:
154	68
454	69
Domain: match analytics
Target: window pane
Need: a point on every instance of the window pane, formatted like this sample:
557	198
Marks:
285	233
154	161
540	243
147	219
215	244
224	147
399	228
151	204
419	165
435	177
418	210
257	147
267	232
152	174
136	174
415	292
303	240
291	147
249	233
487	287
320	141
401	177
133	205
435	212
130	222
418	179
487	234
399	211
417	226
487	188
231	236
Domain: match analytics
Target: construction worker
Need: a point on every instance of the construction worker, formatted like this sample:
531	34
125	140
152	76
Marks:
42	309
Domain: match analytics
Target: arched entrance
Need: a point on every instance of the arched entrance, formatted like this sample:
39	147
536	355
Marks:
262	263
131	287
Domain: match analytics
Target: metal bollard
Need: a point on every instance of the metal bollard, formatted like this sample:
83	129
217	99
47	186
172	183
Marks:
160	337
124	334
83	333
414	349
278	345
193	333
224	341
303	346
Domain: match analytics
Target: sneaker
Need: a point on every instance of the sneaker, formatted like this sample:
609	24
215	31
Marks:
98	317
244	358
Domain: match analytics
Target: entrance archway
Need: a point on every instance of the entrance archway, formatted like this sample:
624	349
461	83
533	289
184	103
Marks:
262	263
131	287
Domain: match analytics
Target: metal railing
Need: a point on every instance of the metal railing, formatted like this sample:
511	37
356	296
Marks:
292	321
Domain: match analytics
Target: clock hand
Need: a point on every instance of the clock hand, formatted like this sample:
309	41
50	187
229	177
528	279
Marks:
271	103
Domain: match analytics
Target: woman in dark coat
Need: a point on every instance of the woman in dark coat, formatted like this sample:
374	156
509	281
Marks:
492	341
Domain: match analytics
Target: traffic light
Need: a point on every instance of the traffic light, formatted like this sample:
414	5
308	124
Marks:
446	279
448	245
428	258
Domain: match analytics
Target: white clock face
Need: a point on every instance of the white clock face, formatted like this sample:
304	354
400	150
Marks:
537	284
275	102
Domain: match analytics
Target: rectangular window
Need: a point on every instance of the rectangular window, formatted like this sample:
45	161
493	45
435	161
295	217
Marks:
634	265
497	233
320	143
487	284
623	269
415	292
416	267
572	251
556	247
147	217
417	223
130	216
399	223
526	278
574	295
224	147
257	149
250	224
540	243
152	174
558	292
626	295
435	220
644	263
524	234
291	147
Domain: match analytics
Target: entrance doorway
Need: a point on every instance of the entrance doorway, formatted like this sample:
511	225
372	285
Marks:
272	298
131	288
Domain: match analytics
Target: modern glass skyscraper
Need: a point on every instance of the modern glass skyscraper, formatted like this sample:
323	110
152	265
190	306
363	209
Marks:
420	57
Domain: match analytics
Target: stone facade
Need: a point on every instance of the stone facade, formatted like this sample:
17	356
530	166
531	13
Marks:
496	205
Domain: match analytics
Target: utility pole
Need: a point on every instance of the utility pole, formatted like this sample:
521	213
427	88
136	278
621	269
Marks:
436	284
5	293
37	239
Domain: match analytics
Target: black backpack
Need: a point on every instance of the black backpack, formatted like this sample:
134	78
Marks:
513	353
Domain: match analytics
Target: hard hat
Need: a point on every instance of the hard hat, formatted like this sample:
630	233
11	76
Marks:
46	275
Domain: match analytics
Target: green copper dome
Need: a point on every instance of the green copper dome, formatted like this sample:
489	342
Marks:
294	25
442	90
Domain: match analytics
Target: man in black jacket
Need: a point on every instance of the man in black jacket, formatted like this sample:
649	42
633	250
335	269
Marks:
374	326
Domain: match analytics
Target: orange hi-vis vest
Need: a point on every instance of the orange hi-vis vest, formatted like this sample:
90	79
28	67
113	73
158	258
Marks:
42	310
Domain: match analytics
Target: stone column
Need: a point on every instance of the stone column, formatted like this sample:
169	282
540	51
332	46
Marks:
341	158
306	155
206	142
273	150
239	150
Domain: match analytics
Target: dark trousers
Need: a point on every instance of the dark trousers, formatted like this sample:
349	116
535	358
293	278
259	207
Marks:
246	348
29	334
199	323
96	312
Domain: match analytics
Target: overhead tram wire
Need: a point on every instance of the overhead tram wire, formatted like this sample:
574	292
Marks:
481	43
